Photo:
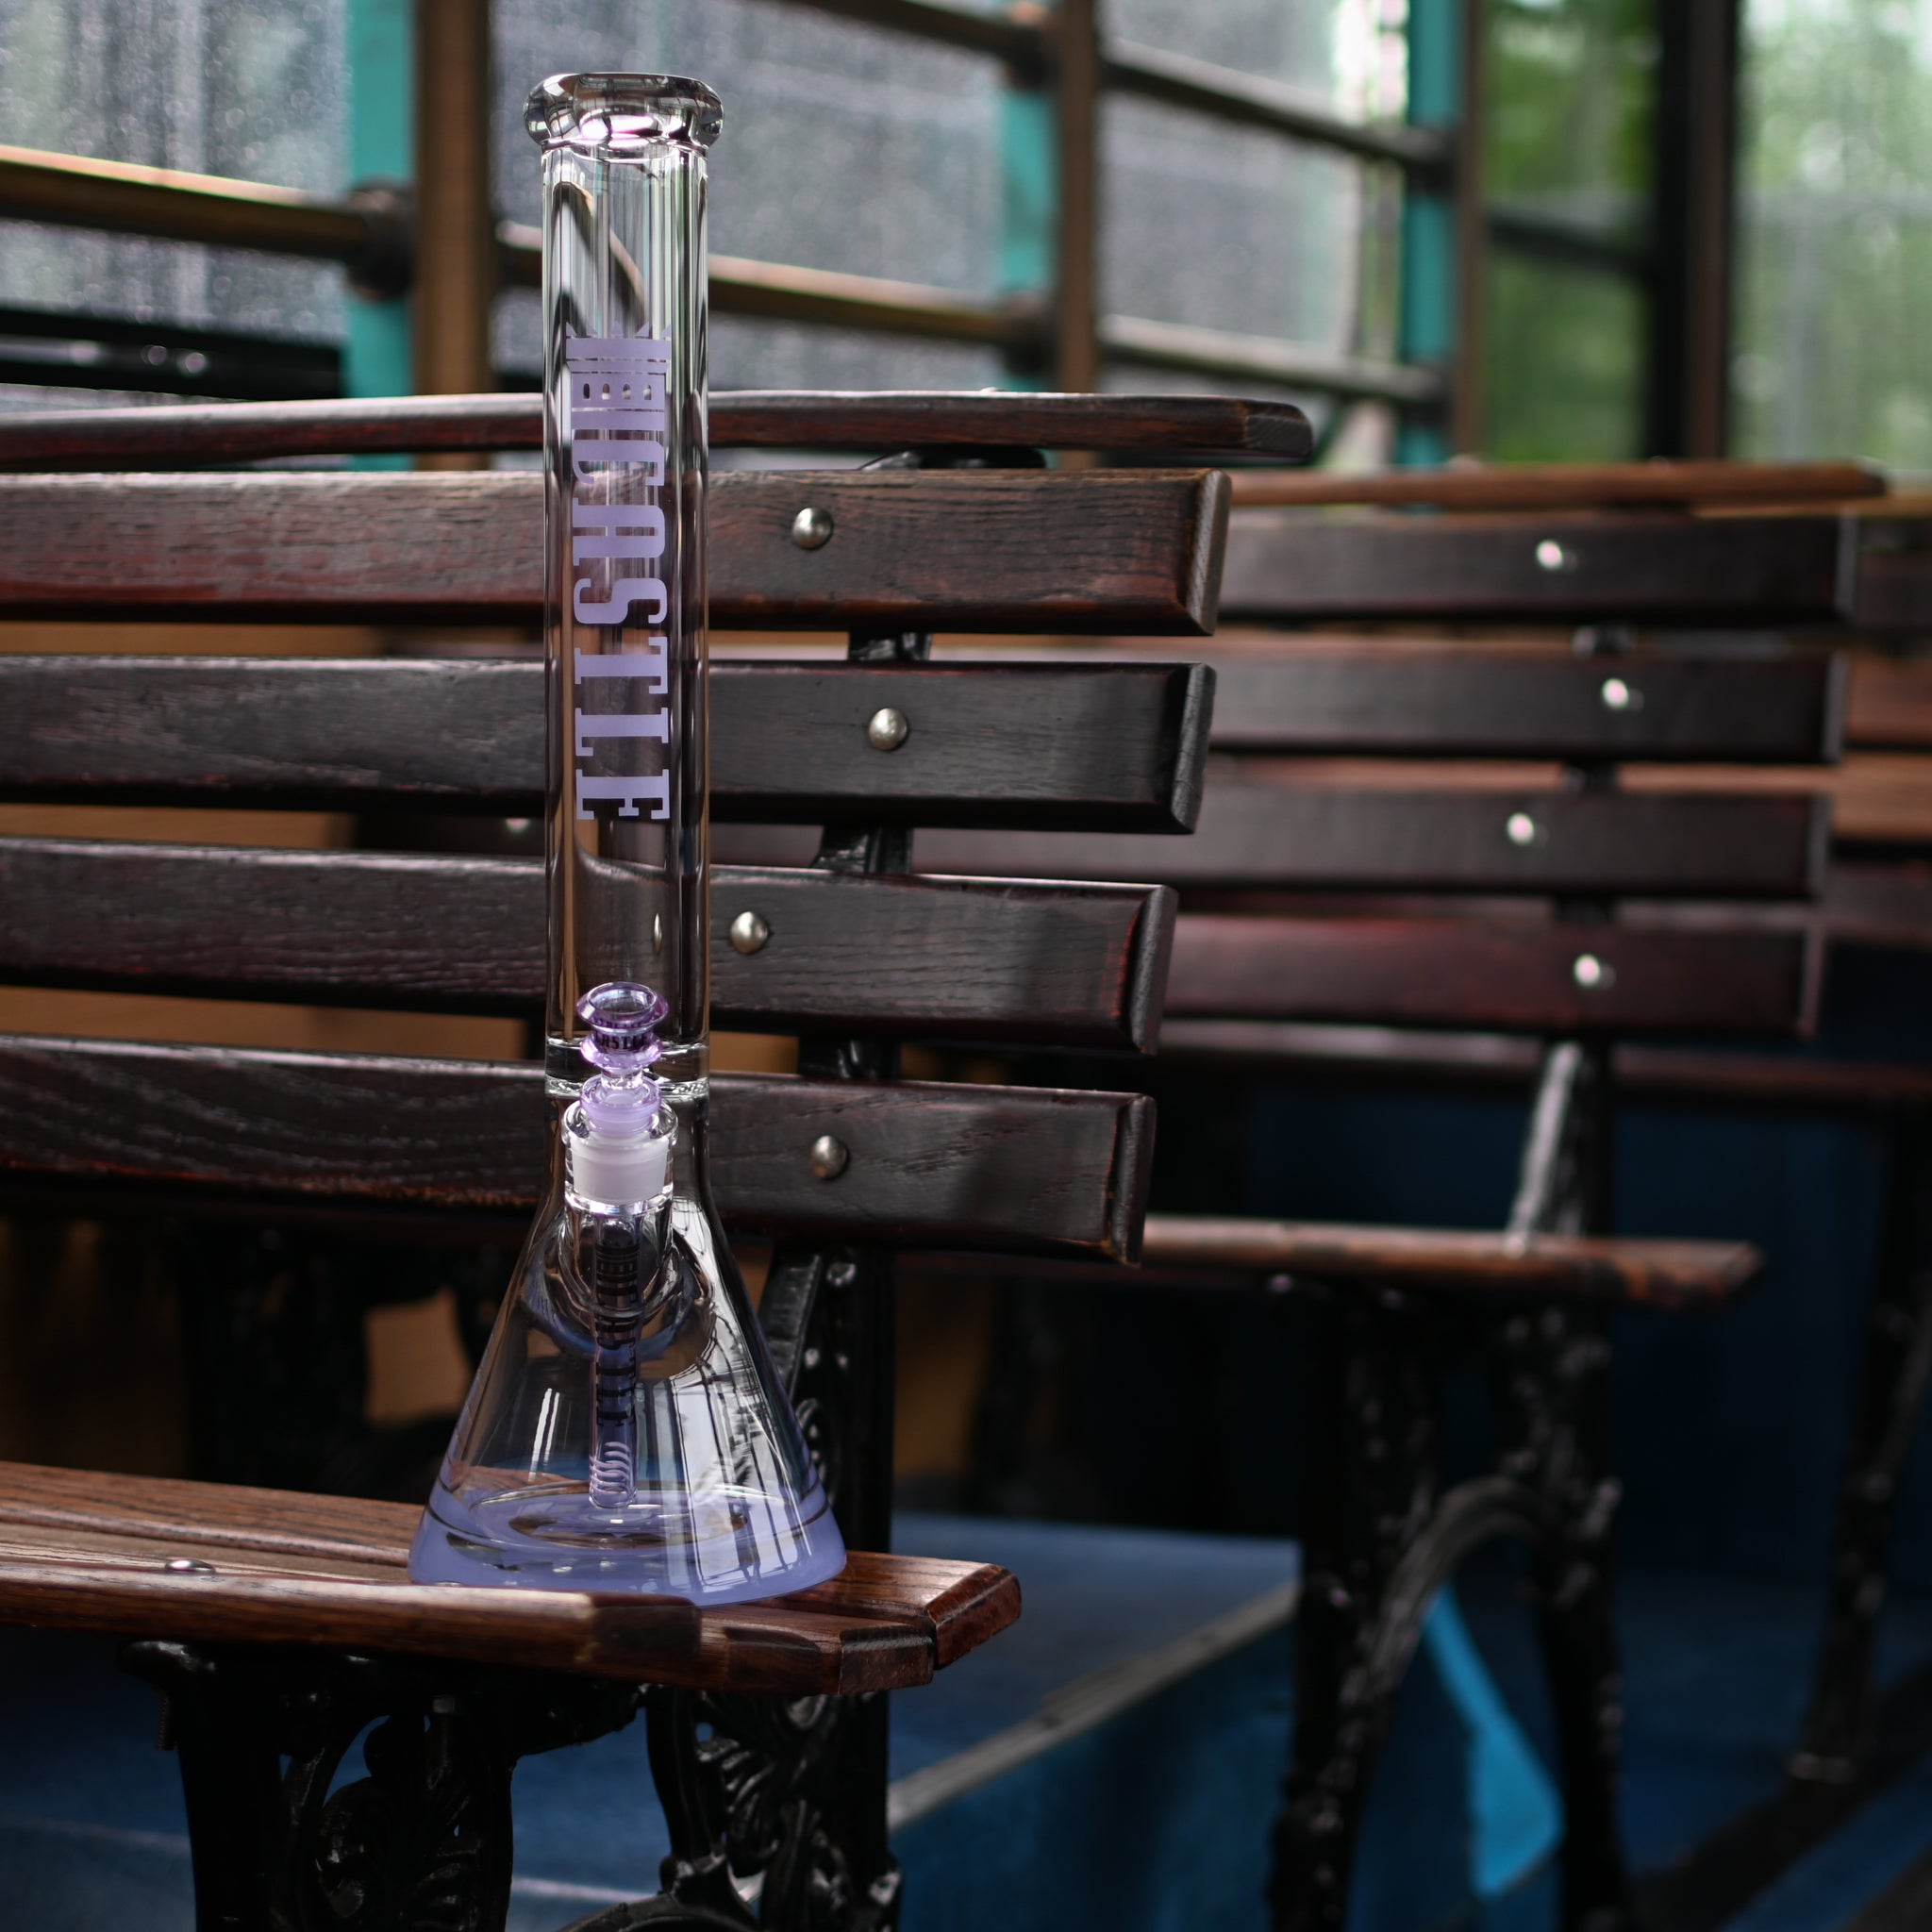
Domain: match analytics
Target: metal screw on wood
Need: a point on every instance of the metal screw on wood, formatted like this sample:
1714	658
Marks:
1550	555
829	1158
812	529
886	729
1521	829
1619	696
1591	975
749	933
189	1566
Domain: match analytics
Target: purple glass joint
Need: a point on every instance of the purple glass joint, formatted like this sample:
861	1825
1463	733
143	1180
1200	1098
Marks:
622	1097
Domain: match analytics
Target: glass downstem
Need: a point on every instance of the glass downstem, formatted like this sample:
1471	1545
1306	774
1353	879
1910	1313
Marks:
616	1285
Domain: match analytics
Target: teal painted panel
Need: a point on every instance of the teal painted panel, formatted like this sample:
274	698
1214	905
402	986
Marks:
1435	62
376	358
1028	198
1427	312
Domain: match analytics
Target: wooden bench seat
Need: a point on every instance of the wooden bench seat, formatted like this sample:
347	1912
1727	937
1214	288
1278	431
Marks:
143	1556
1247	1253
1526	1267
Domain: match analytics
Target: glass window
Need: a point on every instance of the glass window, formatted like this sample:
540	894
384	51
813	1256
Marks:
1223	227
845	148
247	88
1292	40
1235	228
1833	307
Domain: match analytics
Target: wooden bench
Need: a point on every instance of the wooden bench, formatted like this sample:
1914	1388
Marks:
1569	914
277	1624
1711	537
1876	898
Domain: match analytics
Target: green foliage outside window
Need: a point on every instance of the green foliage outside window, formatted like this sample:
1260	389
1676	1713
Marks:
1568	136
1833	318
1572	92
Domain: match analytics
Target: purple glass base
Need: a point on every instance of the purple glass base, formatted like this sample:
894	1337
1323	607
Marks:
558	1541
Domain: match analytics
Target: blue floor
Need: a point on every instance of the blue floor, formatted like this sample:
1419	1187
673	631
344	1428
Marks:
1155	1819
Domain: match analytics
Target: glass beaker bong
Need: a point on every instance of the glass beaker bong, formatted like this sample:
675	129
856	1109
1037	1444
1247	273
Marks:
627	1430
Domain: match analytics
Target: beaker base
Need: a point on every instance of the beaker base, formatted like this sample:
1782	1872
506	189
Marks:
555	1539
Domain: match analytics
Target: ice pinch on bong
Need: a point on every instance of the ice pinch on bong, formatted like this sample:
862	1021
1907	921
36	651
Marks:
627	1430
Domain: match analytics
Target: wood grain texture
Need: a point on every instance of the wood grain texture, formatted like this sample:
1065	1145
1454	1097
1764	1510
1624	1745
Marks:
1656	484
988	550
740	419
1105	747
1317	838
1661	1274
1512	976
1036	1170
80	1551
985	960
1378	701
1639	567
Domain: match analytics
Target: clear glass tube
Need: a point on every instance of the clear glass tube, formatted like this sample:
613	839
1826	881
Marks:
627	1430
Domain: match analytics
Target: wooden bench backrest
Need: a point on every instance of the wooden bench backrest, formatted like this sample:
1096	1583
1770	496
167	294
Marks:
1378	888
1868	571
1090	746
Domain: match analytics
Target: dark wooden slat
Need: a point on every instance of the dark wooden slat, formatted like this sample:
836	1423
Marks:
1031	1170
1516	977
1638	568
893	420
79	1551
1564	486
1788	1081
1663	1273
1109	550
1069	965
1379	700
1319	839
989	745
970	959
739	418
1106	748
1894	574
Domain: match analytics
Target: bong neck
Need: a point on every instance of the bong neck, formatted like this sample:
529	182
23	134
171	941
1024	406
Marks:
625	463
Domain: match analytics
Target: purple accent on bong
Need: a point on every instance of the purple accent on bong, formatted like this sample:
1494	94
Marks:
622	1098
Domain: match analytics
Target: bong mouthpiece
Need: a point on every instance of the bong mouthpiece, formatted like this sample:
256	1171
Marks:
620	1152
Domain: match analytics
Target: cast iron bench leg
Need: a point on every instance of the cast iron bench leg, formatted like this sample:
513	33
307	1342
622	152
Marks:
797	1791
423	1837
1379	1541
1892	1397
